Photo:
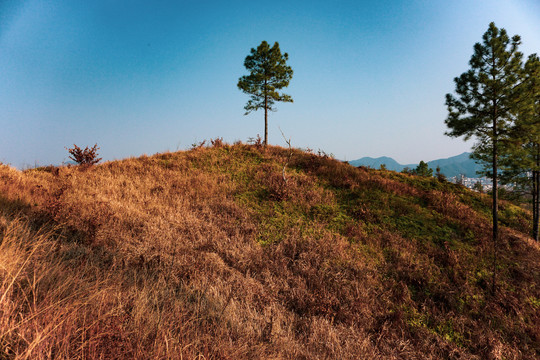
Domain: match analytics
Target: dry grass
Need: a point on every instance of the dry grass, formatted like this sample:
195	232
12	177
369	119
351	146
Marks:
211	254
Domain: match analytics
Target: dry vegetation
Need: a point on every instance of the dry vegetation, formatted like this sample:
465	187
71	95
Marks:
211	254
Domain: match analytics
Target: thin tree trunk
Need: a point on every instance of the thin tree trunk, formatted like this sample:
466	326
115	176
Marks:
265	116
536	203
533	203
495	198
536	193
265	122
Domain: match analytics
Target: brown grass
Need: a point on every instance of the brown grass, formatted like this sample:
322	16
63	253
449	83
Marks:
211	254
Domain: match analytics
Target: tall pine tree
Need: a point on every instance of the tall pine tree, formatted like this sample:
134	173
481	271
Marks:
484	105
530	120
269	73
522	161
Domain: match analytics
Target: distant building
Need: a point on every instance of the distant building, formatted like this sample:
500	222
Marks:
486	183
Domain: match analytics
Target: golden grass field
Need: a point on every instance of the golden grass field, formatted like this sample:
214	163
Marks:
245	252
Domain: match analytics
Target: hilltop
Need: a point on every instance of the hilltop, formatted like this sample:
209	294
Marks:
453	166
245	252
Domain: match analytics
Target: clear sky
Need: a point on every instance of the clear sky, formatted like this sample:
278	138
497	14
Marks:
141	77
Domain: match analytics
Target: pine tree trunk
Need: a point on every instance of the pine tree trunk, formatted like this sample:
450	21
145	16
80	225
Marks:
265	121
536	203
536	194
265	115
495	193
533	203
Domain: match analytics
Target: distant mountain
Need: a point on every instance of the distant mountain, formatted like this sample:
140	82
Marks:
452	166
376	163
455	165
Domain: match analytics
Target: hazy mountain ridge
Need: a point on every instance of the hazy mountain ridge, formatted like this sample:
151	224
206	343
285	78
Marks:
452	166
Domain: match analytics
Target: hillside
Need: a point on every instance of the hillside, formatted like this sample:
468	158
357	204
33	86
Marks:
212	254
450	167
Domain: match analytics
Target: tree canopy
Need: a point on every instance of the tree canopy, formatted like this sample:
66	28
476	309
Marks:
423	170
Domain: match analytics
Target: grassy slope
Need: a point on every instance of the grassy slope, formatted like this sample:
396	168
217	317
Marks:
210	252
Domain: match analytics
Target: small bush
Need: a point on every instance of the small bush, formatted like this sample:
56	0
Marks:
439	175
86	156
257	142
217	142
199	145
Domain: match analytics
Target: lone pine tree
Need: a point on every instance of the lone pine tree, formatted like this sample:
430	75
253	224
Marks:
485	104
269	73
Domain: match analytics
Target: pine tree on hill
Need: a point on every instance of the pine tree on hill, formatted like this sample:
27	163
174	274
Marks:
521	165
423	170
269	73
485	103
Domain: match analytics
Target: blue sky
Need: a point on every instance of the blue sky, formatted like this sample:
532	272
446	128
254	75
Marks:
141	77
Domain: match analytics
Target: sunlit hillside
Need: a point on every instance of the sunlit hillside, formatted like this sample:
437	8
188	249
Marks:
242	252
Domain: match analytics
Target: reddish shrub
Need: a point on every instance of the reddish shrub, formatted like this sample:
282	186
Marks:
86	156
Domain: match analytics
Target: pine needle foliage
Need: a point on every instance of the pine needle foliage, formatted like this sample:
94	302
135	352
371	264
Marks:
269	73
423	170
